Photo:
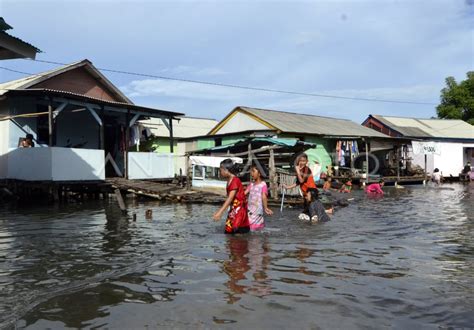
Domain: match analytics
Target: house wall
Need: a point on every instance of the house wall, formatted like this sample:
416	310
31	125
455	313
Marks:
420	161
78	81
163	145
379	127
205	143
451	160
56	164
70	164
232	139
239	121
4	139
150	165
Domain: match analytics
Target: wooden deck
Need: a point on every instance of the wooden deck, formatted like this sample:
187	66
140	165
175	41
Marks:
164	191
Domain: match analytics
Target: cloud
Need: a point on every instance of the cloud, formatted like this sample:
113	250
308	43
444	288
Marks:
168	88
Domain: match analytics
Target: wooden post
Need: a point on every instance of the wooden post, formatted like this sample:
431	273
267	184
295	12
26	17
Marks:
249	159
273	177
398	163
50	124
366	162
426	162
127	137
171	136
188	173
120	200
101	130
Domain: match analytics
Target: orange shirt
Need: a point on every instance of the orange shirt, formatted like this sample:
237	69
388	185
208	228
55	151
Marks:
309	182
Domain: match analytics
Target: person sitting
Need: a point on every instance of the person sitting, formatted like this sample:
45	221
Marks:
327	184
27	142
316	210
346	187
436	177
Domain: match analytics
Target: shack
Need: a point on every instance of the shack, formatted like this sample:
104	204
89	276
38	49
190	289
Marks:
447	144
340	145
80	126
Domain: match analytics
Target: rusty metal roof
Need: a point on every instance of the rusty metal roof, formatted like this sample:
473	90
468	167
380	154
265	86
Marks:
298	123
88	99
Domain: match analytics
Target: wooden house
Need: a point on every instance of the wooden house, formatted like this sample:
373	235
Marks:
446	144
81	125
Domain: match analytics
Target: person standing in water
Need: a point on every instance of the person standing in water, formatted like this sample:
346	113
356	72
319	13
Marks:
258	200
237	218
304	178
436	177
375	188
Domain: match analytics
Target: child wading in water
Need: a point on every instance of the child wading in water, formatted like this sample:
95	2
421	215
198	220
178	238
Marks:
375	188
237	219
304	178
257	204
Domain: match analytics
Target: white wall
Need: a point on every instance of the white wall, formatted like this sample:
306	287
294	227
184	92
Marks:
420	160
241	122
56	164
30	164
151	165
450	162
77	164
4	133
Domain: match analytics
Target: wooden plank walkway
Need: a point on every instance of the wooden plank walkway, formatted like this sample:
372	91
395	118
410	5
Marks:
164	191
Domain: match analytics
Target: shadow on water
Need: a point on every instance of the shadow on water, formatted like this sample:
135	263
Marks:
404	260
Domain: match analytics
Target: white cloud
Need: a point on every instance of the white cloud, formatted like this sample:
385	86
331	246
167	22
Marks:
171	88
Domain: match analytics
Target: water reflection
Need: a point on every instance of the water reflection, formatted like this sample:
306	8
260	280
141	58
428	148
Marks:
236	267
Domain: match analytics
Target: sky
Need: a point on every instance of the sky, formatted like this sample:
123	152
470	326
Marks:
378	49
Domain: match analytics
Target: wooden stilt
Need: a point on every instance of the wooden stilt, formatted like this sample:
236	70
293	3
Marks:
120	200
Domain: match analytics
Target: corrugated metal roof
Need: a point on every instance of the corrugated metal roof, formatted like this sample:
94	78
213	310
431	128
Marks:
12	47
4	25
429	128
289	122
32	80
186	127
90	99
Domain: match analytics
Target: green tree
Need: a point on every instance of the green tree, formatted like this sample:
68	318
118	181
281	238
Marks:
457	100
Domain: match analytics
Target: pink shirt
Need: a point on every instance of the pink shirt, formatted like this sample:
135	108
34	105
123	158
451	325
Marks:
255	205
374	188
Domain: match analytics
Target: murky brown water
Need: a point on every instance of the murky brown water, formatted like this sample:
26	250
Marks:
403	261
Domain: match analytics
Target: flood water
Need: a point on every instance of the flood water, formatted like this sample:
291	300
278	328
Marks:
403	261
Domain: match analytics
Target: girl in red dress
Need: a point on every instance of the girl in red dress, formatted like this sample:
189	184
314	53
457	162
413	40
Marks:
237	219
